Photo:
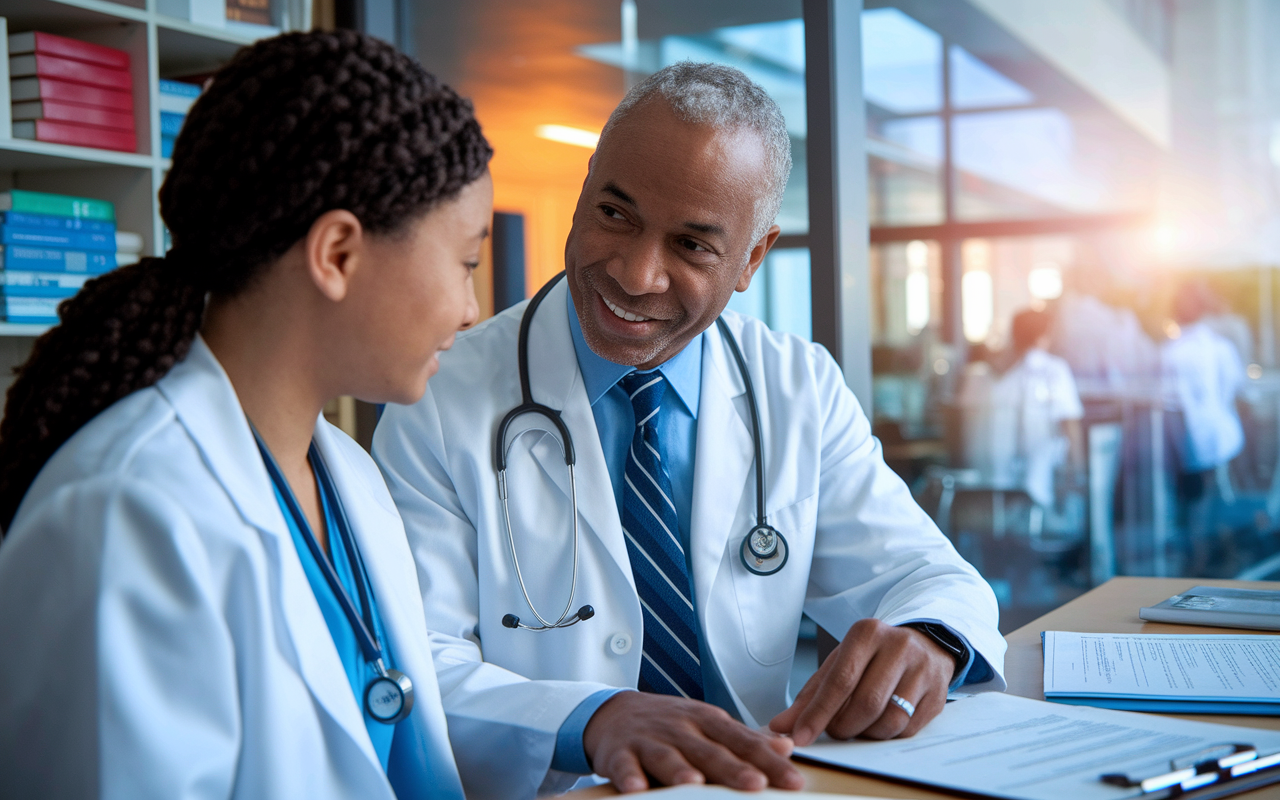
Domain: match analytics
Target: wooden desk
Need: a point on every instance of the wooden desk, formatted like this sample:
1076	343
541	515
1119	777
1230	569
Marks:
1112	607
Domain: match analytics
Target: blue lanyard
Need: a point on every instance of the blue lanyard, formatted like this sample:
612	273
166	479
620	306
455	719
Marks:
361	623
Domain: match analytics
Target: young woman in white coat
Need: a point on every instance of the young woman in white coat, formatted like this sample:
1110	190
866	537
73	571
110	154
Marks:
205	590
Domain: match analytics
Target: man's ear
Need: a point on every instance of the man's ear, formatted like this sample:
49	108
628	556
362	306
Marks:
334	246
756	257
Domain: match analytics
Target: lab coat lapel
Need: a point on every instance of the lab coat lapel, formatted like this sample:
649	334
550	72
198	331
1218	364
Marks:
556	381
207	406
723	466
379	534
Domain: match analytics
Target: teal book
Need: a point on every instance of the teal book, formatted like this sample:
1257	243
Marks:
58	205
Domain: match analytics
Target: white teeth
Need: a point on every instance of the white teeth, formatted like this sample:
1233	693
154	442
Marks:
627	315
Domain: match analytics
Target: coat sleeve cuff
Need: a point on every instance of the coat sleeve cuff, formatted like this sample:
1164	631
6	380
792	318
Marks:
570	755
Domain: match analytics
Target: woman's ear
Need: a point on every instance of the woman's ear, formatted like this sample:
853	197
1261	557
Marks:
334	247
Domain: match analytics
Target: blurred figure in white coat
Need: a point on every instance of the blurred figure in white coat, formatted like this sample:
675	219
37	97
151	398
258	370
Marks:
676	213
205	589
1022	413
1203	373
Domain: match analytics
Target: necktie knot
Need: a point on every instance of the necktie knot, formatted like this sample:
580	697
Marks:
645	389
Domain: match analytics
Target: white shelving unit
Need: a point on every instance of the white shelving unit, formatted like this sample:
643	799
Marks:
159	46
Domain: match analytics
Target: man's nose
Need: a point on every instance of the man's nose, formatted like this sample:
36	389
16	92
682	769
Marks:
641	269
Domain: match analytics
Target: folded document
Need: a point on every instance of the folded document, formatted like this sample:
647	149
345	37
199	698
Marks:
1187	673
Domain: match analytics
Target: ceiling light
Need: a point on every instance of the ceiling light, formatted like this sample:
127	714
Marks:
566	135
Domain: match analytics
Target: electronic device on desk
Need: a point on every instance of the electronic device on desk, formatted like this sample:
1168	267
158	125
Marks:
1256	609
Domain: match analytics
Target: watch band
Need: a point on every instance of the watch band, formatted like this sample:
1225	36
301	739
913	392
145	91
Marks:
945	639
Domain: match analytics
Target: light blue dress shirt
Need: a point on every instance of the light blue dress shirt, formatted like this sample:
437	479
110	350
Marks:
678	432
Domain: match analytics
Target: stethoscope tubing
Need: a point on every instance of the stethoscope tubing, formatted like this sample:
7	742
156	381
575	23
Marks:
528	406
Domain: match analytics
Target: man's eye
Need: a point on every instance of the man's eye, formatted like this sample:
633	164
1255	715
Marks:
611	212
689	244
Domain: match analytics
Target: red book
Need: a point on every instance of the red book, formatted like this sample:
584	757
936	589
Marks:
44	130
68	70
70	112
61	46
62	91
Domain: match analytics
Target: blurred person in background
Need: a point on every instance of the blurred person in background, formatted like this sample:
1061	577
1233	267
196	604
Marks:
1105	346
1202	372
1022	412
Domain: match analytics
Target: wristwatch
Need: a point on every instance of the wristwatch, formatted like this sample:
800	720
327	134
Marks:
945	639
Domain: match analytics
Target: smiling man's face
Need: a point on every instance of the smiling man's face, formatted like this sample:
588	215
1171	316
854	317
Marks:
662	235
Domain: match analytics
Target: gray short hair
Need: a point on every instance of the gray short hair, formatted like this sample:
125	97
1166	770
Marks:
723	97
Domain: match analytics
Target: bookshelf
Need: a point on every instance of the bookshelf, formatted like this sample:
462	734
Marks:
159	46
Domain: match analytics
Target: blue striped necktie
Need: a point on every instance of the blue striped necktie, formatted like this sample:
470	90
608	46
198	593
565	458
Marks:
669	662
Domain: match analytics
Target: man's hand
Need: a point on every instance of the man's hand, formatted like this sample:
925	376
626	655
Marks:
849	694
683	741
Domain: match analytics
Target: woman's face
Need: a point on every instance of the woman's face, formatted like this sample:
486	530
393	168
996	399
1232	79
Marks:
416	293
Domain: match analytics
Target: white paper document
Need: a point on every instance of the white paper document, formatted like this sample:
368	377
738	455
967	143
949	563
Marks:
1204	667
1003	746
703	792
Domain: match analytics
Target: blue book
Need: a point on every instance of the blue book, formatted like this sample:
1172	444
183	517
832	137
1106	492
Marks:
20	283
43	259
166	145
32	310
179	88
171	123
51	237
23	219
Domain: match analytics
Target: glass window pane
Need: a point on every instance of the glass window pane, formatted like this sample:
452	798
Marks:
901	62
904	180
976	85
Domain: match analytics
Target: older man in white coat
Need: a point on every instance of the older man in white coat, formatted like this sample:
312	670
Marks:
675	215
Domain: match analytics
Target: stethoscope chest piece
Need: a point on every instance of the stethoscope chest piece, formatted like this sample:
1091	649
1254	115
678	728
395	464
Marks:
764	551
389	697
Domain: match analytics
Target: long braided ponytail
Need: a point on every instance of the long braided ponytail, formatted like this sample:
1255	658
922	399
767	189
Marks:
290	128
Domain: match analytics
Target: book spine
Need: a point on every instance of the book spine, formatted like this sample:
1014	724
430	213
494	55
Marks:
31	309
179	88
170	123
60	205
62	47
6	114
175	103
38	291
43	259
20	219
166	145
128	241
47	237
21	279
66	92
65	69
75	114
44	130
257	12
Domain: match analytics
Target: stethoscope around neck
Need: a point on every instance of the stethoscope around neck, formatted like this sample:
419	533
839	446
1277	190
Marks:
764	551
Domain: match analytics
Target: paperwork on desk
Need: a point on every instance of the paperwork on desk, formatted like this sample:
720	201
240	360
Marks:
998	745
703	792
1187	674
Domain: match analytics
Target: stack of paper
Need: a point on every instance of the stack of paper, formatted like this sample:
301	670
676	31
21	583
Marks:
1189	674
997	745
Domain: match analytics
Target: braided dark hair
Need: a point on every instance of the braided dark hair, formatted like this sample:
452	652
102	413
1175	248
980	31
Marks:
290	128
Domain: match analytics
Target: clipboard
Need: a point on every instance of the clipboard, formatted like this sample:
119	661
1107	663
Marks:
1013	748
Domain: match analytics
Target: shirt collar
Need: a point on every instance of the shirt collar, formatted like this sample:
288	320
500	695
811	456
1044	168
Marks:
683	371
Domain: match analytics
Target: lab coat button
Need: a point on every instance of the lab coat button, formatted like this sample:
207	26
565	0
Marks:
620	644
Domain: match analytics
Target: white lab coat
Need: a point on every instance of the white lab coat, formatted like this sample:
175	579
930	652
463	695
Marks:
1203	373
158	637
860	546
